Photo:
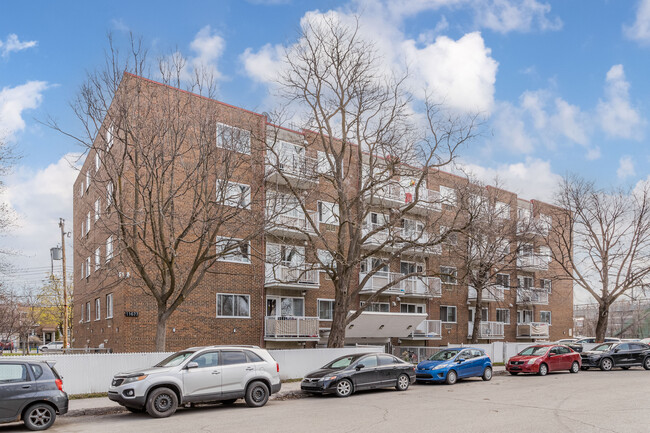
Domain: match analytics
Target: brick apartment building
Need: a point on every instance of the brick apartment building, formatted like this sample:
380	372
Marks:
251	299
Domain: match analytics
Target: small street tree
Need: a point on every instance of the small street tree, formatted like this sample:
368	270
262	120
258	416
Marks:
50	303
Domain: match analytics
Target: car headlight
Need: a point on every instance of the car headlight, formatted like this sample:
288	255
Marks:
438	367
134	378
329	378
532	361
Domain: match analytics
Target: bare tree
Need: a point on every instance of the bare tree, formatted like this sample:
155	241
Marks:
364	162
604	243
18	316
167	184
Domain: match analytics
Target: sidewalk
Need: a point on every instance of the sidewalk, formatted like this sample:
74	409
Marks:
103	406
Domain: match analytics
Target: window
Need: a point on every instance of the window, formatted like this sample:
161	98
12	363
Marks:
285	255
412	228
98	257
13	373
83	229
448	196
88	222
375	263
369	361
448	275
37	370
484	314
387	360
97	208
503	280
87	179
83	308
378	307
502	210
98	305
325	309
81	189
233	305
97	162
285	307
524	316
109	137
547	284
411	268
451	238
83	269
503	315
328	213
87	267
109	249
525	282
109	306
233	357
325	257
252	357
209	359
109	194
545	317
412	308
87	311
233	138
447	314
234	194
235	250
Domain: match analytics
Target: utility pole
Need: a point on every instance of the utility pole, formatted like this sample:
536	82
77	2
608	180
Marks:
65	287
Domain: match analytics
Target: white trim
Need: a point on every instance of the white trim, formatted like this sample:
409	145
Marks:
233	317
497	315
550	316
98	309
456	314
219	140
229	260
109	296
318	308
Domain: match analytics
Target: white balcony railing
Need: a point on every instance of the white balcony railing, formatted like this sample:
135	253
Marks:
286	224
533	330
535	226
377	238
291	276
533	262
414	286
486	329
291	327
292	165
428	329
532	295
398	195
489	294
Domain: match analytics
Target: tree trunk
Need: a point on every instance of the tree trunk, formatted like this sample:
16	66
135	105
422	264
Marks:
161	329
603	318
477	316
340	314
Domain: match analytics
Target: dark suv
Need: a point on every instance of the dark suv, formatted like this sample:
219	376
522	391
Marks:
32	392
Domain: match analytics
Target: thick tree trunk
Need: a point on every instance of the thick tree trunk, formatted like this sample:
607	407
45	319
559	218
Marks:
603	318
477	315
161	329
340	314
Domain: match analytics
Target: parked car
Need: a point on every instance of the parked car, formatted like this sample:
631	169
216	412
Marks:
577	345
452	364
645	340
541	359
199	375
610	355
6	345
352	373
566	341
54	345
31	392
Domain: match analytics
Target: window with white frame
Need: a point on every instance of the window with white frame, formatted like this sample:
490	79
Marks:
97	161
328	213
83	229
234	194
325	309
451	238
412	229
374	263
524	282
87	267
484	314
406	268
233	250
545	254
83	269
546	284
447	314
109	306
524	317
83	310
109	137
326	259
98	311
503	315
502	210
448	275
523	214
503	280
109	249
412	308
98	257
109	194
87	311
231	305
98	204
284	306
87	179
233	138
448	196
377	307
81	189
88	222
545	317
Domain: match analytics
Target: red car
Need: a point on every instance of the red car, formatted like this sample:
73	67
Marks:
6	345
544	358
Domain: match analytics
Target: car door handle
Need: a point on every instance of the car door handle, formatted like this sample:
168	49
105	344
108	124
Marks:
216	372
26	386
250	369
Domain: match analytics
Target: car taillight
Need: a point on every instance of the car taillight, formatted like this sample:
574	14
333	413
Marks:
59	384
277	365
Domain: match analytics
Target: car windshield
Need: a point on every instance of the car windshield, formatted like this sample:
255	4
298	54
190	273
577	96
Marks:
534	351
342	362
444	355
602	347
583	340
175	359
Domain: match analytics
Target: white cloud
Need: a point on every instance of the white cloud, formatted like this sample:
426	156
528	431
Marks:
265	65
616	115
569	121
506	16
208	48
640	30
15	100
625	168
12	44
511	130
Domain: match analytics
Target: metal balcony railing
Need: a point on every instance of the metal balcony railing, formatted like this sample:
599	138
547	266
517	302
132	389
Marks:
284	223
487	329
533	330
293	165
533	262
415	286
428	329
283	275
532	295
489	294
535	226
291	327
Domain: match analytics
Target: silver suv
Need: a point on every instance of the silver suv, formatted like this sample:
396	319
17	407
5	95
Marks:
199	375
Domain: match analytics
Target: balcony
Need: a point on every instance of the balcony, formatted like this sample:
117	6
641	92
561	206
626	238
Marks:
378	238
291	277
424	287
487	330
532	295
427	330
533	262
490	294
533	330
290	328
533	226
395	195
292	168
290	226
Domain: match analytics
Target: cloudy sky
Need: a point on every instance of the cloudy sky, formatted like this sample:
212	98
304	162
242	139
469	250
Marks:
564	85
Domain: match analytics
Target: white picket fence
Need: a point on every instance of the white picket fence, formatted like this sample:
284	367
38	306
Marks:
92	373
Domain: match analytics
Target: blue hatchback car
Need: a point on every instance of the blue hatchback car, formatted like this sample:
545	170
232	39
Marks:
452	364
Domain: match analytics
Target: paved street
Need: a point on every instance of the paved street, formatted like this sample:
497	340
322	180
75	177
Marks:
591	401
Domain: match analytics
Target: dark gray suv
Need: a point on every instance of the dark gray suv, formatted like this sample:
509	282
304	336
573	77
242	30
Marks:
31	391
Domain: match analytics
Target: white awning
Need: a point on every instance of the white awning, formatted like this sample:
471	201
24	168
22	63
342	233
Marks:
371	324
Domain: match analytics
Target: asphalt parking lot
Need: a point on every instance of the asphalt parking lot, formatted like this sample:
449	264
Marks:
590	401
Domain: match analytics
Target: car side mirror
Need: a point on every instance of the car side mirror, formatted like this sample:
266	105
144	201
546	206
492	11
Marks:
459	360
360	366
192	365
616	350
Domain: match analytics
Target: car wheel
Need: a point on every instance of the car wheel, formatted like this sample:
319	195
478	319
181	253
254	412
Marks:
403	382
543	369
257	394
646	363
514	373
343	388
452	377
487	374
575	367
584	368
606	364
39	417
229	402
134	409
161	403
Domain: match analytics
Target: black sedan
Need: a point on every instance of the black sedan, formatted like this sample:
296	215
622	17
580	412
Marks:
352	373
610	355
576	346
